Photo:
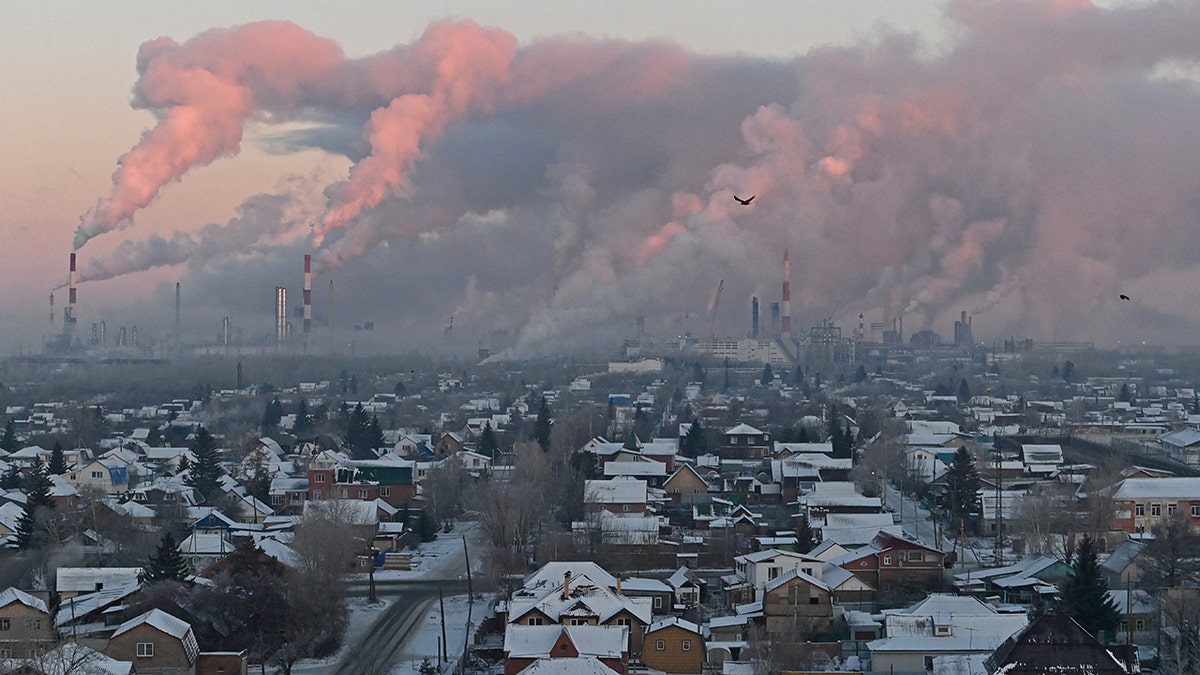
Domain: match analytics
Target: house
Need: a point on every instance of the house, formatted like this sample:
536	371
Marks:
1139	615
1055	643
753	571
939	626
1033	578
109	476
686	486
892	560
745	442
73	581
1121	567
798	604
68	658
26	628
674	646
524	645
157	643
618	495
578	600
688	588
1041	459
1140	502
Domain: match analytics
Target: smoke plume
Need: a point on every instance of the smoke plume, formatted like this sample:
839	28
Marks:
1026	171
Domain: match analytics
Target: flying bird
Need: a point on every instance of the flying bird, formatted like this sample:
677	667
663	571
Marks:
745	202
1123	296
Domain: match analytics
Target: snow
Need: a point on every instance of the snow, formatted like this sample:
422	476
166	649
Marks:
441	558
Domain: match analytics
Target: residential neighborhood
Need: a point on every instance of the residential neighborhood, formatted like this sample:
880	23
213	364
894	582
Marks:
857	521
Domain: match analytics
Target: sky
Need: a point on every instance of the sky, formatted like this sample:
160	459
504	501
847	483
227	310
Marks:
546	173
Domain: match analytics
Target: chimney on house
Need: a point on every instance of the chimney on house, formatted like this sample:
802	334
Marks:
618	584
566	585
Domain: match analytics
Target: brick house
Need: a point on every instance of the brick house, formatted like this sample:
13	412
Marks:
26	627
332	476
580	601
1140	502
673	645
157	643
892	560
526	644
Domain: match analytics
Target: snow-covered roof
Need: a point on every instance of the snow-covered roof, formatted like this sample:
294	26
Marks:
522	641
11	595
742	430
175	627
91	579
621	490
583	665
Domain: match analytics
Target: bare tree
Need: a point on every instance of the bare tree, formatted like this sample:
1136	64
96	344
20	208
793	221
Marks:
512	511
1172	557
65	658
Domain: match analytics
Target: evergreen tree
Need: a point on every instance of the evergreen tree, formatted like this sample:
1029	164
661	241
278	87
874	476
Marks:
698	374
357	429
1068	371
58	463
694	442
1126	395
964	391
802	435
272	414
400	390
12	479
1085	594
374	436
860	375
806	538
798	376
961	498
31	530
154	438
9	442
304	422
542	426
205	472
643	424
166	564
767	376
487	440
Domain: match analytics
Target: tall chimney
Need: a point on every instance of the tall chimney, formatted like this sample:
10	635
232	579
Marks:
134	333
787	294
51	308
280	313
69	312
566	592
103	333
307	298
177	304
225	332
754	317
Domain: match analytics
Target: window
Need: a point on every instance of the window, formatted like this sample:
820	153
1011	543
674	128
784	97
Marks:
362	493
319	478
941	630
1139	509
806	570
535	621
660	645
145	650
658	602
5	653
1156	510
317	494
33	624
814	600
773	572
686	645
1124	626
1196	510
385	491
1170	509
276	500
1140	625
624	507
97	474
916	555
579	622
887	560
928	663
5	624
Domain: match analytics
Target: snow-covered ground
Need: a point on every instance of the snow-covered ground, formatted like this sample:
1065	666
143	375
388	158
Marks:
442	558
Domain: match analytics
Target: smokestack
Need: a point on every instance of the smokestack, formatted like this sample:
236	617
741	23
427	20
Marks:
52	308
307	298
121	337
134	331
280	313
754	316
103	333
225	332
69	312
177	304
566	592
787	295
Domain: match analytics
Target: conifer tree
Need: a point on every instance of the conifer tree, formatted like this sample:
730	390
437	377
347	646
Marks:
542	426
166	564
1085	594
767	376
304	422
31	532
961	498
205	473
58	463
487	440
9	442
272	415
694	442
12	478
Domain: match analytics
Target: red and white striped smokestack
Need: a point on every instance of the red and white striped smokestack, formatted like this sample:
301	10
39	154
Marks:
307	294
69	312
51	308
786	319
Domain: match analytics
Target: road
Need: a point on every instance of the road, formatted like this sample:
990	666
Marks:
918	525
415	599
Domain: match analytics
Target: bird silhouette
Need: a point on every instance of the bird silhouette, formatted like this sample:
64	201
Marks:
1123	296
745	202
